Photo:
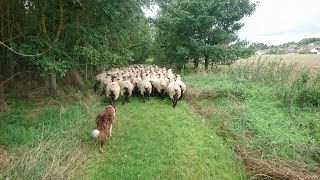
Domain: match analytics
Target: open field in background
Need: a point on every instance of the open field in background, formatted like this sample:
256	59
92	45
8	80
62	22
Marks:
309	61
243	122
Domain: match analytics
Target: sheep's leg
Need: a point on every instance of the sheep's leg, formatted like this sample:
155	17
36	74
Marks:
149	96
175	99
123	99
113	102
101	147
110	100
143	98
127	96
181	96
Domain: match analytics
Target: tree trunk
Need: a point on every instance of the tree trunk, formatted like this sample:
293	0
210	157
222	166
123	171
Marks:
75	78
42	9
206	61
196	62
61	19
52	83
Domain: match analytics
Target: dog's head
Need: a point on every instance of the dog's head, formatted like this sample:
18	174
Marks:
110	109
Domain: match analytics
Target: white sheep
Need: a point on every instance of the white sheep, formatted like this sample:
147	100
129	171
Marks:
136	83
113	91
181	84
174	91
98	79
162	87
126	90
145	88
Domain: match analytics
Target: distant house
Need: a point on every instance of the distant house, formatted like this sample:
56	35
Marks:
290	51
311	45
315	50
261	52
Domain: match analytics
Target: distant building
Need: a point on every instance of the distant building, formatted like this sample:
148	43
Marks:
261	52
315	50
290	51
311	44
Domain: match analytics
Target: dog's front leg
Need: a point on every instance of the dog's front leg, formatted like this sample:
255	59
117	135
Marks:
110	130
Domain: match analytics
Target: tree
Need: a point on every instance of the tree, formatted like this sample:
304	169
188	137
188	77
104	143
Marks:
189	29
64	35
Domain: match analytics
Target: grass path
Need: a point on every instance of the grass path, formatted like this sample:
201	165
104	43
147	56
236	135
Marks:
50	139
154	140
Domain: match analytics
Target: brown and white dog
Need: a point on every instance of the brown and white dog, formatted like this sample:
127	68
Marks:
104	123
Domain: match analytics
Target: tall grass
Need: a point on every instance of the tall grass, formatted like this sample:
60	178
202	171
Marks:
264	107
47	139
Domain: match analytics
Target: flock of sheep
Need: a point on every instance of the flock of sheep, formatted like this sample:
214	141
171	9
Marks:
140	79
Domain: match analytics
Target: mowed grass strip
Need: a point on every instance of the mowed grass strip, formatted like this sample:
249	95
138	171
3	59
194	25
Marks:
154	140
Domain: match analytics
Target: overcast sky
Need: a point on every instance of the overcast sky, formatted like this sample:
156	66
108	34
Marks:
279	21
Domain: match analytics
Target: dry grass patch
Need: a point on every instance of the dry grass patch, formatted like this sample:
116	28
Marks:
5	159
308	61
259	168
50	159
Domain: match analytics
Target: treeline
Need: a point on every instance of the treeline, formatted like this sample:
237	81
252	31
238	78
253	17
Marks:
51	39
302	46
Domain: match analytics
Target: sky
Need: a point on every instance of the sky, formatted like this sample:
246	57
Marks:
278	21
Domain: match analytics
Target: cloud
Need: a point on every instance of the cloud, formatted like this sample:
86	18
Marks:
280	21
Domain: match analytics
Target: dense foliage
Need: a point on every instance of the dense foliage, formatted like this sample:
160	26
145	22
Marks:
197	30
67	34
53	38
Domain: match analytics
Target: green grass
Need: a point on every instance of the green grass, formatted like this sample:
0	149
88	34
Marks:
154	140
266	110
47	138
50	139
252	113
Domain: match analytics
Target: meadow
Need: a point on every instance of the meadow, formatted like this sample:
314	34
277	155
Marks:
309	61
256	120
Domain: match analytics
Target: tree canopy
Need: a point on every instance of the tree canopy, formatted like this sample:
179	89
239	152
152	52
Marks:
189	29
56	36
98	33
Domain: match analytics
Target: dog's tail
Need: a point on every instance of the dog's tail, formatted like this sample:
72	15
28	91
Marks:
95	133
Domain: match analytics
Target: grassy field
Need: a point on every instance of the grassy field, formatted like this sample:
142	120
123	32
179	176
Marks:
50	139
309	61
244	122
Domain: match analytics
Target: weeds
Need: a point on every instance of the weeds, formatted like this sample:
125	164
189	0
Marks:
48	138
265	107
